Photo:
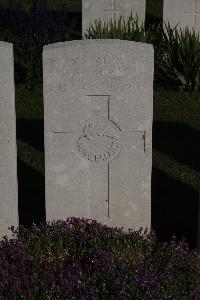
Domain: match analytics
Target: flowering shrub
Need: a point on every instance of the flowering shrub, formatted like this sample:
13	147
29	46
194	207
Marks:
83	259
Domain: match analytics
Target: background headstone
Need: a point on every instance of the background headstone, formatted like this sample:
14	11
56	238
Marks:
111	9
8	152
98	114
184	12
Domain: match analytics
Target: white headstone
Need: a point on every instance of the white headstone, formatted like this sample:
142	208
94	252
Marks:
98	114
111	9
184	12
8	153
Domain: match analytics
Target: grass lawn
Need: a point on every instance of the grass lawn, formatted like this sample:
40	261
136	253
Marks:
180	156
181	108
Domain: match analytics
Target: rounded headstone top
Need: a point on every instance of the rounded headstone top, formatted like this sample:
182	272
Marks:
6	44
95	42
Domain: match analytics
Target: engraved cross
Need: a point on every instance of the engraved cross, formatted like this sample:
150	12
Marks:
114	10
108	155
195	12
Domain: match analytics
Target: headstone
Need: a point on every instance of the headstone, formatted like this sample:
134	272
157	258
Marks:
98	113
8	153
111	9
184	12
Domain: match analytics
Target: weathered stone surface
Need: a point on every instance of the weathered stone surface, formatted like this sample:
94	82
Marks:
8	153
98	113
111	9
184	12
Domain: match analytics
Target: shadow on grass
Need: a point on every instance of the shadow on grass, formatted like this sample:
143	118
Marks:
174	204
31	184
154	12
174	208
178	141
31	132
31	195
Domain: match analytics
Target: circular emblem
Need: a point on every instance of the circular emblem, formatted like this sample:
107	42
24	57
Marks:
99	140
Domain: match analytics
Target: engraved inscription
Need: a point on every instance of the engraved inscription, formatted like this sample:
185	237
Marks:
103	73
99	141
103	84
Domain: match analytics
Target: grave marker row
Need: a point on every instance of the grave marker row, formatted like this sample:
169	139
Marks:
97	136
98	132
181	12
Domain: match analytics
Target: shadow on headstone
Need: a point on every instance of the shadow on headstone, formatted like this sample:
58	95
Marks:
174	208
179	141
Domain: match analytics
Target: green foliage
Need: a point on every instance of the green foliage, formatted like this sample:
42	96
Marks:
178	62
177	52
121	29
